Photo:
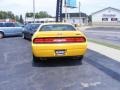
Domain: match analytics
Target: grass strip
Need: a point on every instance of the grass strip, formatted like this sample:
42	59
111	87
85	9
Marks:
105	43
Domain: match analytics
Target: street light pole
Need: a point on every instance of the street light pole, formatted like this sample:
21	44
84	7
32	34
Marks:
34	11
79	13
66	14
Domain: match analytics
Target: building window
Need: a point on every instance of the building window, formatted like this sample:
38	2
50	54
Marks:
104	19
114	19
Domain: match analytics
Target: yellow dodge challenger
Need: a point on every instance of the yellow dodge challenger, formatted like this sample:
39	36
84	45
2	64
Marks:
58	40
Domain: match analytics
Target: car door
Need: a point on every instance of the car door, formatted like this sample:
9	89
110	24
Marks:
18	27
29	33
13	28
8	28
27	30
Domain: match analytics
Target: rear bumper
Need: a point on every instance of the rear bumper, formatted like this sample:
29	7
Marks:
48	50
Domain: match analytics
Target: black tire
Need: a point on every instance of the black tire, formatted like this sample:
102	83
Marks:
35	59
23	36
1	35
79	58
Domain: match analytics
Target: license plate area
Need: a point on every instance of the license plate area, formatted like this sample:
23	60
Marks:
60	52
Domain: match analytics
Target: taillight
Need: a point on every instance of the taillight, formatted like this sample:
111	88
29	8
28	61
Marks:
60	40
76	39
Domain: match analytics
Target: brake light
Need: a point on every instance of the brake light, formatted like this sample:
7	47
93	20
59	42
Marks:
60	40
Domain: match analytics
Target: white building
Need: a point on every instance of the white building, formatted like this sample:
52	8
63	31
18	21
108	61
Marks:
107	16
76	18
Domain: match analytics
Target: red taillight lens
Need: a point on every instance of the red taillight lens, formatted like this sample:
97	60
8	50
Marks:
60	40
76	39
43	40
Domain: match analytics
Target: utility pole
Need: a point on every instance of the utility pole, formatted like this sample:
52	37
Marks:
34	11
59	11
79	13
66	14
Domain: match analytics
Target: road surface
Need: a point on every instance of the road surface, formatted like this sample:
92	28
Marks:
18	72
106	34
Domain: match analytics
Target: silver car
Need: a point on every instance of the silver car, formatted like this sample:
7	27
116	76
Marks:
10	29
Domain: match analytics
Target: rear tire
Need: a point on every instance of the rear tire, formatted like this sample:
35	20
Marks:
23	36
79	58
35	59
1	35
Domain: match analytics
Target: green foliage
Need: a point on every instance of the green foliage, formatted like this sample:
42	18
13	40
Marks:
21	19
29	14
10	15
41	14
17	18
5	15
90	18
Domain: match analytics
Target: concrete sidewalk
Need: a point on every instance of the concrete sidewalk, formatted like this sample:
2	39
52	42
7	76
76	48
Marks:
104	50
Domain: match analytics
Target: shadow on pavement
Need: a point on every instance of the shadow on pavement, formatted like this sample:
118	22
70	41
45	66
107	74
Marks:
104	64
57	63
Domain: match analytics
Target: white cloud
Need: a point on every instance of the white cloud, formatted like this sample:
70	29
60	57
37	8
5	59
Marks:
90	6
22	6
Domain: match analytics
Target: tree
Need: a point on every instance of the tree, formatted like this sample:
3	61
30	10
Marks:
21	19
17	18
41	14
10	15
3	15
30	14
6	15
89	18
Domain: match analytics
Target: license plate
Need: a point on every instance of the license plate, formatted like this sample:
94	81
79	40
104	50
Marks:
59	52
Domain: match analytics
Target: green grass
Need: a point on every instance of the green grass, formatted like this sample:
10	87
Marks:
105	43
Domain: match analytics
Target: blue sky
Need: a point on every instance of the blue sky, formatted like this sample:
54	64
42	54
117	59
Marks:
87	6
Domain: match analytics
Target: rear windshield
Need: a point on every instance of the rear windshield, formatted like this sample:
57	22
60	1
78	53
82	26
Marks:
10	24
57	27
1	25
32	26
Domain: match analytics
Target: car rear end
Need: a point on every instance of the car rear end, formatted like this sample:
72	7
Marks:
47	44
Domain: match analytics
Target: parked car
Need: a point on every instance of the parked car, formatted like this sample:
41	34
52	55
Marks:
10	29
58	40
29	30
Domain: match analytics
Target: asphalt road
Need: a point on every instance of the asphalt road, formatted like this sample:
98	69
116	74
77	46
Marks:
106	34
18	72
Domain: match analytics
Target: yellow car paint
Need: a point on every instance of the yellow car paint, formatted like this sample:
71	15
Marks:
49	49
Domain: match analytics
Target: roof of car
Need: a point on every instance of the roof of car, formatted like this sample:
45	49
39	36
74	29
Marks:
34	23
6	22
56	23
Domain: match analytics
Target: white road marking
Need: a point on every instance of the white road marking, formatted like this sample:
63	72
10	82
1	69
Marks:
110	33
90	84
